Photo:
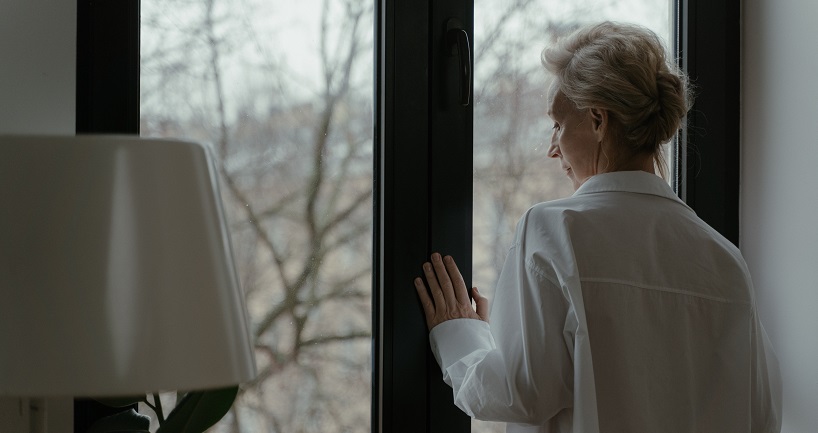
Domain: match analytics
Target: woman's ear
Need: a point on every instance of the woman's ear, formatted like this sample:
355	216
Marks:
599	119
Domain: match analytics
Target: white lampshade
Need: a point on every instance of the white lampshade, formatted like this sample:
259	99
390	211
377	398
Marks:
116	273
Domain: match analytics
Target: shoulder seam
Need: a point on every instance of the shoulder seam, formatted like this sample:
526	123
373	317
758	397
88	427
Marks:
539	272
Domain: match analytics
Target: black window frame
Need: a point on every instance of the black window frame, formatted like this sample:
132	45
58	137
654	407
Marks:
423	204
709	44
423	165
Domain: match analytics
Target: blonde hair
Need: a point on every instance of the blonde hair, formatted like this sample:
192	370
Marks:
623	68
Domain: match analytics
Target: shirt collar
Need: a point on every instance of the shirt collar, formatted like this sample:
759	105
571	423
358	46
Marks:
640	182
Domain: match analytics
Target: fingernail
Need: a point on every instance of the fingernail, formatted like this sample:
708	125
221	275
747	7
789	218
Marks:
435	256
427	266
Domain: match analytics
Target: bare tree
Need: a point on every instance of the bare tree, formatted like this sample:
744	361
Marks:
297	180
512	134
294	151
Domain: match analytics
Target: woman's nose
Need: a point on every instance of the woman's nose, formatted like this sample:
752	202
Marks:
553	151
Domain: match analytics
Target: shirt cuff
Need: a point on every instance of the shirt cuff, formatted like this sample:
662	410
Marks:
455	339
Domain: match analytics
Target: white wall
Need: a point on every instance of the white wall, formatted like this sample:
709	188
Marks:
37	66
37	95
779	189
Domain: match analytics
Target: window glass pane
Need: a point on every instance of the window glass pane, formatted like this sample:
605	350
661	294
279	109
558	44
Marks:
511	131
281	92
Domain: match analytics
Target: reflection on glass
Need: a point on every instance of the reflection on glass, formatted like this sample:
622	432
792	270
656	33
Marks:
512	133
281	92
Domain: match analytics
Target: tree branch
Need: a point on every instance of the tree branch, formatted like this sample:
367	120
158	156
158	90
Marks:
334	338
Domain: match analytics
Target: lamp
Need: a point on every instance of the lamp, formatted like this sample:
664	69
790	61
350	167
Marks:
116	273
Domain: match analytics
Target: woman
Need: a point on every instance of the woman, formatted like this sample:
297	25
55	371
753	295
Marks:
618	309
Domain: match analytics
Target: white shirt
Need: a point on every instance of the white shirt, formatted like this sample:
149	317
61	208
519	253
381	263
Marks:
617	310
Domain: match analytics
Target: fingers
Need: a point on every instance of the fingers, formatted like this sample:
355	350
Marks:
445	283
434	286
447	296
481	304
425	301
460	291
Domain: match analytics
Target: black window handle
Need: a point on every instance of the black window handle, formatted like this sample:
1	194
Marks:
457	40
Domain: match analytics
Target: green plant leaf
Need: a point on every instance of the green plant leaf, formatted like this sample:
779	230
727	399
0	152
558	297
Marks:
127	421
120	401
198	410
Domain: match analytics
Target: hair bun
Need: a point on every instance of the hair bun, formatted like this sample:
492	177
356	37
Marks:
672	101
624	69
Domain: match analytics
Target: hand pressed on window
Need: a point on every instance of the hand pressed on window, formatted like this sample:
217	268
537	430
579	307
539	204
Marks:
449	296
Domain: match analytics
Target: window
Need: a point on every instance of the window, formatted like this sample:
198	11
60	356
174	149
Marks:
422	158
282	94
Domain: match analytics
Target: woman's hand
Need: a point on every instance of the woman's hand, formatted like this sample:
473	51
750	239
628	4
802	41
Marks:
449	296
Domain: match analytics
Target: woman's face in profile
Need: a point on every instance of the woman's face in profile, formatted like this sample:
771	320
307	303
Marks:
573	138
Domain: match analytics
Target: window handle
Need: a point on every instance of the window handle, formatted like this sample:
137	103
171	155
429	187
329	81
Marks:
457	40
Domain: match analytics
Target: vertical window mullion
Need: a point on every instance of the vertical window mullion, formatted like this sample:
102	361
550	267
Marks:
108	67
710	52
424	177
402	213
451	177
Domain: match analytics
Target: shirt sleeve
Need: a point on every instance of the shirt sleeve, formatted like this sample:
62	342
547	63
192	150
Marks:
519	368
